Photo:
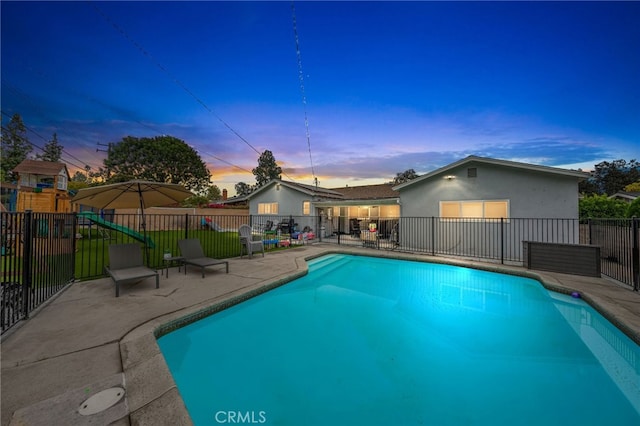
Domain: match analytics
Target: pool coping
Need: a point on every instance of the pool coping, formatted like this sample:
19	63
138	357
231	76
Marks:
153	397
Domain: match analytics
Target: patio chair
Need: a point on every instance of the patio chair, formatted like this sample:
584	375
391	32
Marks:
192	254
354	225
247	243
126	265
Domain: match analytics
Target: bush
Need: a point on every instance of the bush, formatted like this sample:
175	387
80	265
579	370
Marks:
633	209
601	206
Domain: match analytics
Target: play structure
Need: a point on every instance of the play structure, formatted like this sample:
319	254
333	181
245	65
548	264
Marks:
95	218
206	222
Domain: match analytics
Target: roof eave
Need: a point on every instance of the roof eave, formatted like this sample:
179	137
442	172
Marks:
504	163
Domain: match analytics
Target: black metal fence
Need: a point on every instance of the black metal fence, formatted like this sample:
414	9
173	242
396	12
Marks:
43	252
619	243
497	239
38	259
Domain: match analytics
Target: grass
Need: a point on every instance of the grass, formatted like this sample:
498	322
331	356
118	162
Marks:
92	250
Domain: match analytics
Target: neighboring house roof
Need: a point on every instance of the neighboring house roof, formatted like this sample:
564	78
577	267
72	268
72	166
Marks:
493	161
624	195
41	168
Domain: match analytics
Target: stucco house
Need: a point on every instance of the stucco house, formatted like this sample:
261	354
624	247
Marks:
321	209
480	187
481	193
479	196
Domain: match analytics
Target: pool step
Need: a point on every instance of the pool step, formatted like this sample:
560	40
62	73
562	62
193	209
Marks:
328	263
323	261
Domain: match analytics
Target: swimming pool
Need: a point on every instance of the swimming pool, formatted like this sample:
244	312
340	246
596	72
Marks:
367	341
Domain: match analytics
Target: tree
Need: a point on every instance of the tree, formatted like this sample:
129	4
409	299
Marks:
213	193
405	176
158	159
243	189
267	169
609	178
15	146
601	206
633	187
633	209
204	198
195	201
79	180
52	150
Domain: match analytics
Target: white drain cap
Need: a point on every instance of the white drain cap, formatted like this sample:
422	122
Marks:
101	401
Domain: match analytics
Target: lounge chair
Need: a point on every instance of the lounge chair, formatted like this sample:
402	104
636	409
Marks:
247	243
126	265
192	254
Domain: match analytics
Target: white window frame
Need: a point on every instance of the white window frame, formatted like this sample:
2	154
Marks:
306	207
473	205
268	208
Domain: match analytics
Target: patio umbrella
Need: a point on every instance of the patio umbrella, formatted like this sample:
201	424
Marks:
132	194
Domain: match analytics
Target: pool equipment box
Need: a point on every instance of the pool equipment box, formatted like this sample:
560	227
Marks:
577	259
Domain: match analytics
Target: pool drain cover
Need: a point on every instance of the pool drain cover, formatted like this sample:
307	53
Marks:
101	401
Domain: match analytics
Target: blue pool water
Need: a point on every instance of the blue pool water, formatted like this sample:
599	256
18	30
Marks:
369	341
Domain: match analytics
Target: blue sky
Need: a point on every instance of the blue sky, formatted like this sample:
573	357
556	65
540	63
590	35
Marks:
388	86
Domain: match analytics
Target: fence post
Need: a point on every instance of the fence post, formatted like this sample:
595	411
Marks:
589	228
186	226
636	254
26	261
74	235
502	240
433	236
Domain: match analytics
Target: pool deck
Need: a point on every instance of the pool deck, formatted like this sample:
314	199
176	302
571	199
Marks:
87	340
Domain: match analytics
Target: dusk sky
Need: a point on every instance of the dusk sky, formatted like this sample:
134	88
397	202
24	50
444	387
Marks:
389	86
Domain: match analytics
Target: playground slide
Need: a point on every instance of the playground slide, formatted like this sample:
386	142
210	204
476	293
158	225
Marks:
211	224
114	226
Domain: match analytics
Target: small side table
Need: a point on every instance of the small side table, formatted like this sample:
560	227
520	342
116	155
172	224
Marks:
170	261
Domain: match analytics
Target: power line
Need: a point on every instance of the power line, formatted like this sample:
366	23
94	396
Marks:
175	80
91	99
28	98
172	77
304	97
38	146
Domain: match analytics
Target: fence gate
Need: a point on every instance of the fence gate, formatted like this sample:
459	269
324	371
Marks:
38	260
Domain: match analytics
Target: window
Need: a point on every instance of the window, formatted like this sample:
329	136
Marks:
494	209
267	208
306	207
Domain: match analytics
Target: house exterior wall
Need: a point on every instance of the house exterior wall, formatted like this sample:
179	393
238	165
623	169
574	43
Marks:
530	194
289	204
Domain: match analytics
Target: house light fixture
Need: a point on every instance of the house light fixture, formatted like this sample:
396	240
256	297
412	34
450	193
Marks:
449	177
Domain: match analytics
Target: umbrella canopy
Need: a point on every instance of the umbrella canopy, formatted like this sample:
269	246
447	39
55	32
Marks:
132	194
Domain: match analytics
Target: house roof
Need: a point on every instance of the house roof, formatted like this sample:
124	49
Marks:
41	168
311	190
348	194
504	163
626	195
368	192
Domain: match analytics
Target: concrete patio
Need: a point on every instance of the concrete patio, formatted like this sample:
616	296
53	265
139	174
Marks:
86	340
